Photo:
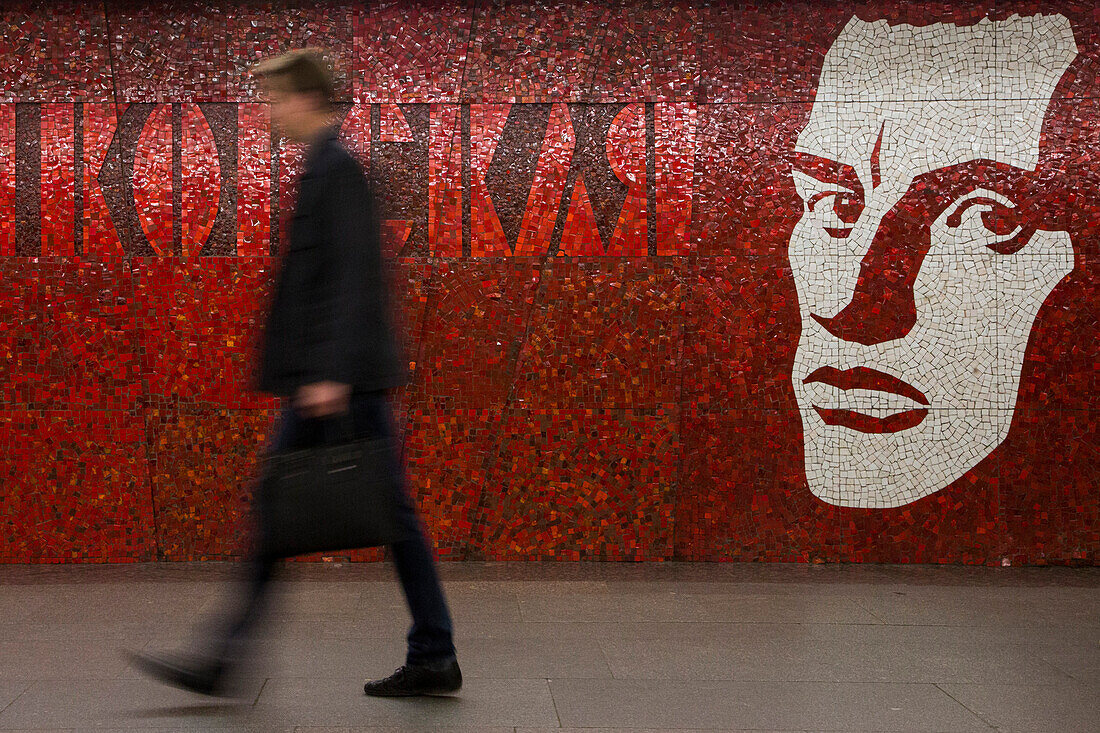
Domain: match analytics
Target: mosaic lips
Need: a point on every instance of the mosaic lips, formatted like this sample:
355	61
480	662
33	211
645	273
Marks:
873	380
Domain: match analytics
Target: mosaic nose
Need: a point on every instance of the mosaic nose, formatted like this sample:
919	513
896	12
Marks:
882	307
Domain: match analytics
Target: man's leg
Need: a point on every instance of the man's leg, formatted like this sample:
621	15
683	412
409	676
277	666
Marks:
430	637
430	663
205	670
238	625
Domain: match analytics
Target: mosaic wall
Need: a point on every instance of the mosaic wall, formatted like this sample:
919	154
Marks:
759	281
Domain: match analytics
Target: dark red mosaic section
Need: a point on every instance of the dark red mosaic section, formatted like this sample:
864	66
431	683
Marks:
605	333
54	52
449	452
75	486
476	316
533	52
581	484
201	491
411	51
199	328
260	28
738	342
169	51
588	213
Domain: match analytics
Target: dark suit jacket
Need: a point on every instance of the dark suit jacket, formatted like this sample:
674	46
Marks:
329	317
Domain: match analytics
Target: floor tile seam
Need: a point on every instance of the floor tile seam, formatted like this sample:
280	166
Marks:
824	683
973	712
553	701
605	657
1073	676
326	678
1022	685
1055	668
259	692
745	623
30	683
816	681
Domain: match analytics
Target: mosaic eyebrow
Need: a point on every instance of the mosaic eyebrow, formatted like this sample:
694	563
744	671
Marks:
827	170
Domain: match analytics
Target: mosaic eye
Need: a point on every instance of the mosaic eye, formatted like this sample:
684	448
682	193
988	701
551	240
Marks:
992	220
844	205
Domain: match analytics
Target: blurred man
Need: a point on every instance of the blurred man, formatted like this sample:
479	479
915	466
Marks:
329	348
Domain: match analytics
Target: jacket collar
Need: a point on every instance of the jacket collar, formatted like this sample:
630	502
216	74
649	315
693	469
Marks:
324	137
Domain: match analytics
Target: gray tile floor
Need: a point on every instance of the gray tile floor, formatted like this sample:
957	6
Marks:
577	647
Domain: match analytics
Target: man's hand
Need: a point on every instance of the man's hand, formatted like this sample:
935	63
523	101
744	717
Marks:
322	398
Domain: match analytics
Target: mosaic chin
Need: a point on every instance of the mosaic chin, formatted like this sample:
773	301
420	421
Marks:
921	259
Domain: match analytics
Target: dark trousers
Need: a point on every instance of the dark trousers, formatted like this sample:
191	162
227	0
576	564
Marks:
430	637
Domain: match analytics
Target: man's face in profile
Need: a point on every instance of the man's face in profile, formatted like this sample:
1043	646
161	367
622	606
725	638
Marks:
920	259
290	112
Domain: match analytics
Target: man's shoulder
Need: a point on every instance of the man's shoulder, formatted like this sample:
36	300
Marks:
337	161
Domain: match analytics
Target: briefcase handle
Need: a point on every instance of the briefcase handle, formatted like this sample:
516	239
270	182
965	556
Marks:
346	423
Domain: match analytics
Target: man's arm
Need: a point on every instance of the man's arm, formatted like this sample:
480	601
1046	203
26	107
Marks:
350	231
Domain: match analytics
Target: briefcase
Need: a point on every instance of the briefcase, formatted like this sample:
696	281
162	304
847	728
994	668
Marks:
339	495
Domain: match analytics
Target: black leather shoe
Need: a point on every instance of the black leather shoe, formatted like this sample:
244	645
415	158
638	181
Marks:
436	678
203	675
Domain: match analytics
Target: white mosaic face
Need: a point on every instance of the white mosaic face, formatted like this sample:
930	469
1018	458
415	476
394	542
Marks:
918	274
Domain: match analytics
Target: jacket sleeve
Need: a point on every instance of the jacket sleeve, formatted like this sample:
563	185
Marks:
351	239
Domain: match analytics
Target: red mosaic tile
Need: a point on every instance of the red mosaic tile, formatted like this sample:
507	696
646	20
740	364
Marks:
7	180
445	181
741	327
644	52
99	235
532	52
253	180
410	282
261	28
76	487
742	157
487	238
476	316
626	145
168	51
742	495
55	56
200	180
58	184
674	162
204	466
290	161
604	333
199	322
21	317
153	184
88	350
1048	499
551	171
355	133
411	51
757	52
449	452
577	484
70	338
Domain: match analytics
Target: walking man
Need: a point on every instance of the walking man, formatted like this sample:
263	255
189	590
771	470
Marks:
329	348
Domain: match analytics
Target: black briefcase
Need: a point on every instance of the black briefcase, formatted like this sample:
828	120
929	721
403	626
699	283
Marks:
339	495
